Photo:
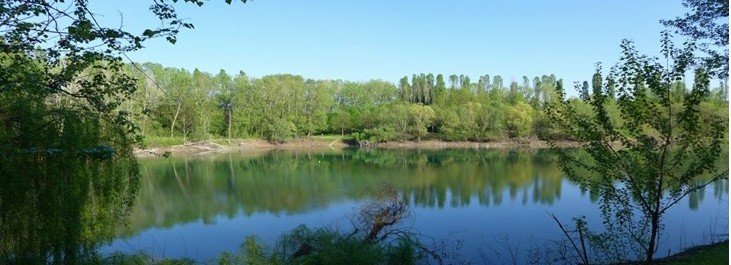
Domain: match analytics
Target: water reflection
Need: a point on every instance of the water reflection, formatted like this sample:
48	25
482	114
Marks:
180	190
57	208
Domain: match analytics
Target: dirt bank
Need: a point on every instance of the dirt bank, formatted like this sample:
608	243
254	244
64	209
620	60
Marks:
206	147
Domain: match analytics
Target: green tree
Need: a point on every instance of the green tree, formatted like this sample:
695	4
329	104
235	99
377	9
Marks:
282	100
707	23
483	84
279	130
647	163
431	86
177	86
67	167
422	117
440	90
447	123
416	89
548	88
514	94
596	80
491	121
720	93
248	111
519	119
404	89
584	89
497	83
536	98
226	93
465	82
453	82
393	123
205	102
468	114
340	121
611	87
318	101
147	96
525	89
497	91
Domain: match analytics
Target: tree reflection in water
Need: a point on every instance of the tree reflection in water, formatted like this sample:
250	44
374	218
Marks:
179	190
58	205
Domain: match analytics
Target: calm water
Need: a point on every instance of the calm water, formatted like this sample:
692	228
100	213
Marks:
487	201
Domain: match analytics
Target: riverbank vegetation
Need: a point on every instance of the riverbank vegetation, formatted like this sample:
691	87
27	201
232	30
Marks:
716	253
711	254
650	158
71	109
194	105
67	172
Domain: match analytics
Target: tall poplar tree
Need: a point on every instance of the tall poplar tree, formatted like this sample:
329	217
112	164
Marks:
584	92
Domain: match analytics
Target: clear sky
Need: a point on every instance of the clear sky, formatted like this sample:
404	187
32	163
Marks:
386	39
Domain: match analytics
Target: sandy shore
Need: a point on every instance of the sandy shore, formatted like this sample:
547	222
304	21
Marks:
207	147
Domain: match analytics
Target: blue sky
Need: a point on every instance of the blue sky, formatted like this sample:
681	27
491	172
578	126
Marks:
380	39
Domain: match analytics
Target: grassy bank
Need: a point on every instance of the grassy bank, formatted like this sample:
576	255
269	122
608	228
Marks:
156	141
700	255
708	254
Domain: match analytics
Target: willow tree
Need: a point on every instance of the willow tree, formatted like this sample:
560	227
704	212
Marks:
66	164
649	160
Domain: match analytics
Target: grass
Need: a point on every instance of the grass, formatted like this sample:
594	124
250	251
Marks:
328	136
231	142
708	254
140	259
157	141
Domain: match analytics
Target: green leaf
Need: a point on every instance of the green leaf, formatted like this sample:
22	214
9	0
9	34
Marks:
148	33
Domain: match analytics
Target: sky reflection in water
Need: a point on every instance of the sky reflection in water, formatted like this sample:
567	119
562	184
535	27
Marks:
200	206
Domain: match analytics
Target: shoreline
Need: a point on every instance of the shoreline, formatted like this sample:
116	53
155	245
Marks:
238	145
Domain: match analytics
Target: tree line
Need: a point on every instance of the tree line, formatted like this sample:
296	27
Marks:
172	102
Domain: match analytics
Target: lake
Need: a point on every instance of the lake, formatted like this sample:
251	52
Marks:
485	203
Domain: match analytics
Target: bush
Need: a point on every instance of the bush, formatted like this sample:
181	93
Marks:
304	245
520	120
279	131
380	134
373	241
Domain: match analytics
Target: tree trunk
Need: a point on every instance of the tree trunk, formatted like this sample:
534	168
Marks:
654	229
172	126
205	124
144	124
229	125
144	118
185	130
